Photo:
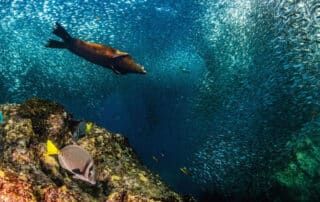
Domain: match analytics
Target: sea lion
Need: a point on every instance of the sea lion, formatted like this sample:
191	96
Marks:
116	60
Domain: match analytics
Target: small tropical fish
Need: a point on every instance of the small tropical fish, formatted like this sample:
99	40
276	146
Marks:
184	70
185	171
1	118
116	117
155	159
88	127
80	129
74	159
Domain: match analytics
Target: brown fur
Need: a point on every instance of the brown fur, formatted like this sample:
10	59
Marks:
119	62
116	60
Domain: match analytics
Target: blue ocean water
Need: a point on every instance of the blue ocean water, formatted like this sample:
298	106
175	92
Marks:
227	81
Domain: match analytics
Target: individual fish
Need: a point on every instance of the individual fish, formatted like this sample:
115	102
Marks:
184	70
80	129
155	159
88	127
1	118
185	171
74	159
119	62
116	117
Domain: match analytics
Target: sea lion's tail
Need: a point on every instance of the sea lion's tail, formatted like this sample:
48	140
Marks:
63	34
55	44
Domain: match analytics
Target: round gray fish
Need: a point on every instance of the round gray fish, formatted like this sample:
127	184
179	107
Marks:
78	161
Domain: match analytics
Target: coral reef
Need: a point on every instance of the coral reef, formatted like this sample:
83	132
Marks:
27	174
298	180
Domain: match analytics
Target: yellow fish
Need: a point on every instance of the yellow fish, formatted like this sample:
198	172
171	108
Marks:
51	148
88	127
185	171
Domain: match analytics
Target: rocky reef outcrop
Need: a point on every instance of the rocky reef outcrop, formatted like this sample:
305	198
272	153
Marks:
27	174
299	177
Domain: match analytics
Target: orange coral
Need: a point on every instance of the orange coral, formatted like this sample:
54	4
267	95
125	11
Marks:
59	194
13	188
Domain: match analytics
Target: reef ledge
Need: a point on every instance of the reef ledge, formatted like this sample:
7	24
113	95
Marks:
27	174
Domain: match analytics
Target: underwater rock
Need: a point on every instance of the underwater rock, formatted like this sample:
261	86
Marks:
298	180
15	187
28	174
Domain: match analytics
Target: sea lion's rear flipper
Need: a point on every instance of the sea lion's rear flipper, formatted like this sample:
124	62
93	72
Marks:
55	44
62	33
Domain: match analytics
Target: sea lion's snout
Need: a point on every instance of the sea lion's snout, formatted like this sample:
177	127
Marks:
143	71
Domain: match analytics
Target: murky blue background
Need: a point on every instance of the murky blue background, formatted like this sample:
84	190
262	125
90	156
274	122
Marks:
227	81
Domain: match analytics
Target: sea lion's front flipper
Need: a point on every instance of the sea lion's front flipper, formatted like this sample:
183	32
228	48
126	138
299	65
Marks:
114	70
119	54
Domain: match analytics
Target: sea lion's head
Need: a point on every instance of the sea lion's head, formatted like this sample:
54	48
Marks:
126	65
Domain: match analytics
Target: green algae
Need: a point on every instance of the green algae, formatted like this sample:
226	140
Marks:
299	178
